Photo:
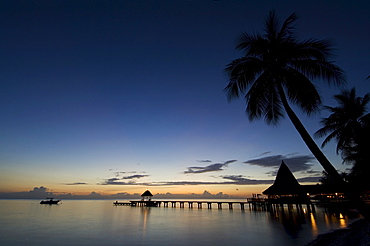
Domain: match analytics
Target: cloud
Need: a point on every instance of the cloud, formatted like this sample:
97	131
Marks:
118	173
37	193
204	161
77	183
130	180
309	179
263	153
137	176
313	172
230	180
39	190
296	163
209	168
112	180
242	180
229	162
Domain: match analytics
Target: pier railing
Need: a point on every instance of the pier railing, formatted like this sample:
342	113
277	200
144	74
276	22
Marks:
253	204
182	204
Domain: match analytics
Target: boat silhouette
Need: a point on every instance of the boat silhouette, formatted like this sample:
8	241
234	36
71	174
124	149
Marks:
49	201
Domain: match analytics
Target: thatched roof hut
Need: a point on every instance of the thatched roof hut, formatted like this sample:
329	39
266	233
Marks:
147	195
285	183
286	189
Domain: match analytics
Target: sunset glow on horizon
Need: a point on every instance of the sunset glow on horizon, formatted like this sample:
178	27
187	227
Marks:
122	96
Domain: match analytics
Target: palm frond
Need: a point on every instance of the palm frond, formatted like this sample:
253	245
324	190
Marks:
255	98
252	45
331	136
286	30
314	49
301	91
274	110
322	132
315	69
365	100
347	125
263	101
272	26
241	73
365	120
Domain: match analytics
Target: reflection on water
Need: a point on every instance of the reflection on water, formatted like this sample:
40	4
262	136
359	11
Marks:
144	214
342	221
313	224
291	219
294	219
98	222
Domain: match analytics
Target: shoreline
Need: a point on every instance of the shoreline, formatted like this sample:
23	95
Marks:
357	233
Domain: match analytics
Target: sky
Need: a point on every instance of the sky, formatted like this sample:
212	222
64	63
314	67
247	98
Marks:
116	97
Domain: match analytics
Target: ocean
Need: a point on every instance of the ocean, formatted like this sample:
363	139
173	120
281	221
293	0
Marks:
99	222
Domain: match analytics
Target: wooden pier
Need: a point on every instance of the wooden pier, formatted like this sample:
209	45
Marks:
253	204
116	203
189	204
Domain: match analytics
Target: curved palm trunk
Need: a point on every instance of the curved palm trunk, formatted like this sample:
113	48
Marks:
328	167
352	194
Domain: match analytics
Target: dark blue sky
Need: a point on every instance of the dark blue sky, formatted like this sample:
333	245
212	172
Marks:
97	90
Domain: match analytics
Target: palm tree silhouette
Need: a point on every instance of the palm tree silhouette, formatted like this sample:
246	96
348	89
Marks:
346	122
349	125
277	67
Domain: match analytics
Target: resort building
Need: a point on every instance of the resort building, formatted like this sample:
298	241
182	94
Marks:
287	190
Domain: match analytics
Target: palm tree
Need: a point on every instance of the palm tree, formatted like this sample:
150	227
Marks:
346	122
277	67
349	125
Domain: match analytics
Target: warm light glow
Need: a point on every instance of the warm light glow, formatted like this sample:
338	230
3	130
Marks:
313	224
342	221
326	219
145	212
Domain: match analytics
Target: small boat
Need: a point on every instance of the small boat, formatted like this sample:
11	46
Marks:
49	201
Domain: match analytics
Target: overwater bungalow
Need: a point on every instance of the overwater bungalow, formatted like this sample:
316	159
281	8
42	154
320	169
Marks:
286	189
146	196
146	199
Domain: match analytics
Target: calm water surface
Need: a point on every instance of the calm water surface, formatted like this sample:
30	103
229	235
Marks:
98	222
